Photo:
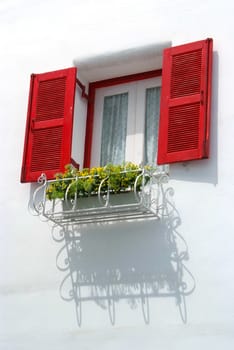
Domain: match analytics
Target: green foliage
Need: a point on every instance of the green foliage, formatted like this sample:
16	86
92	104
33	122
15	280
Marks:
86	182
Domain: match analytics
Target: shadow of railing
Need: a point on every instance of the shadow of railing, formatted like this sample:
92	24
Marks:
135	261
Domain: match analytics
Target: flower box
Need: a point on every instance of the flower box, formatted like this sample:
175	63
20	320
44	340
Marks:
97	195
106	200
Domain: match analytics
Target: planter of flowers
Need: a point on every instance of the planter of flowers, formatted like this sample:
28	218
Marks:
108	186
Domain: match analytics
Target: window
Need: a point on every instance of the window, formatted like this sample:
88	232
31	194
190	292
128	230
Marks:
126	122
183	124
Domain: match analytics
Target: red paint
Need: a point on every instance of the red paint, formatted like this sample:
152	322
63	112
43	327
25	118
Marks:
48	136
209	92
185	102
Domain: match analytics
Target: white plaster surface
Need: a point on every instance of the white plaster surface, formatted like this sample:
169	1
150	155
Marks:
39	36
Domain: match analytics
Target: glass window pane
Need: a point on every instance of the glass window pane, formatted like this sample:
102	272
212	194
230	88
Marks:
114	129
152	103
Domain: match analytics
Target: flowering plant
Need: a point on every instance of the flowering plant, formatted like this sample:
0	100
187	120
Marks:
87	182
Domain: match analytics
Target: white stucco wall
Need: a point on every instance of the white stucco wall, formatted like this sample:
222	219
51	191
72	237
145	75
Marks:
39	36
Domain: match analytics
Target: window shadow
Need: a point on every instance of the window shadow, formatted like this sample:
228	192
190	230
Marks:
134	261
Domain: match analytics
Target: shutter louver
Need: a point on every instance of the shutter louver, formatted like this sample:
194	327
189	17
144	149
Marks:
48	136
185	103
51	98
46	149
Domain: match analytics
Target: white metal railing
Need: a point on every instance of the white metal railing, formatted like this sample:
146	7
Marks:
141	200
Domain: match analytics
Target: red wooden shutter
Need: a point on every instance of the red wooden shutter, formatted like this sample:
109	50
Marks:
185	102
48	135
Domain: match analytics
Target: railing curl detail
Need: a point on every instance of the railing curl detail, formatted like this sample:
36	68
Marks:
39	195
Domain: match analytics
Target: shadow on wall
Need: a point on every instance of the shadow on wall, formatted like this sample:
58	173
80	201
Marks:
134	261
205	170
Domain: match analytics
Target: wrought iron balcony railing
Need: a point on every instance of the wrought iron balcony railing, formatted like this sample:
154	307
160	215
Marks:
141	200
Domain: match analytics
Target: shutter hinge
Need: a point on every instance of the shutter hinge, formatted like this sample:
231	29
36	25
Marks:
75	164
205	150
82	87
23	173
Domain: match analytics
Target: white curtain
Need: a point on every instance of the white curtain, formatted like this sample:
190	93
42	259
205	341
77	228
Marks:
114	129
152	104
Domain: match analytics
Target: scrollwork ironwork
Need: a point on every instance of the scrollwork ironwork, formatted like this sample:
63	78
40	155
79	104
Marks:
168	278
39	196
150	200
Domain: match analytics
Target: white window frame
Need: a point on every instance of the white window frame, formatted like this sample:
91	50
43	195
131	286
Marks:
136	118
